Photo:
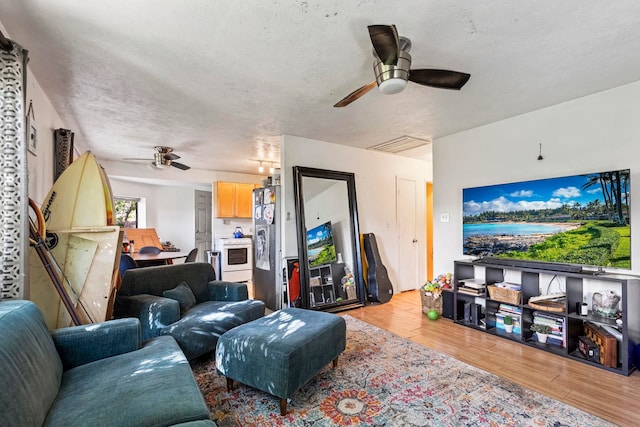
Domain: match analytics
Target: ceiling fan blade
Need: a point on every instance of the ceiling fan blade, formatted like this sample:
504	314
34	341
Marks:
132	158
180	166
355	94
385	42
442	79
171	156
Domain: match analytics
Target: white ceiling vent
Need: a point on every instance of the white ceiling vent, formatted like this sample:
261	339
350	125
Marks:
400	144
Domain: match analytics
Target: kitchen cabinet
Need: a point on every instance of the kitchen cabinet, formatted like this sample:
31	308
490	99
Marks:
234	199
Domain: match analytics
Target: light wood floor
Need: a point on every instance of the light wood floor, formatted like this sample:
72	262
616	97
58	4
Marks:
611	396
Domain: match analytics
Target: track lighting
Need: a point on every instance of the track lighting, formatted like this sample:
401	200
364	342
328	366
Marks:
261	165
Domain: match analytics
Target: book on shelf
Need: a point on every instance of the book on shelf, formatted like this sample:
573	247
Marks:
558	334
509	308
500	315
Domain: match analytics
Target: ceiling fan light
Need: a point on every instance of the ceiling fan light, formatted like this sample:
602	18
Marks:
391	86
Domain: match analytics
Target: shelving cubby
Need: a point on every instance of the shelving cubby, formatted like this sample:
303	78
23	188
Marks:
579	287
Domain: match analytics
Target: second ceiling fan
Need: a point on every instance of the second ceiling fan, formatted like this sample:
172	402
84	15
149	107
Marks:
164	157
392	67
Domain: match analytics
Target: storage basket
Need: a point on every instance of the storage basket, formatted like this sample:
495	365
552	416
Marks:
351	292
504	294
429	302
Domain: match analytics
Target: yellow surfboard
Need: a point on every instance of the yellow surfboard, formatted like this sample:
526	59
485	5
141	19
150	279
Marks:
83	241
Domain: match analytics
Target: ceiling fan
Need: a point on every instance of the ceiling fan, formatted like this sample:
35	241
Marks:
164	157
392	67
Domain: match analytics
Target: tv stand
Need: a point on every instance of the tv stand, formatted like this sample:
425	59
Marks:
485	312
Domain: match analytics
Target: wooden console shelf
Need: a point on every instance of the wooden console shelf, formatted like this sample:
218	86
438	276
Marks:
615	342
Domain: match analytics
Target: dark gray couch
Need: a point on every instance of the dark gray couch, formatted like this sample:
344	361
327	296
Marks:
92	375
196	321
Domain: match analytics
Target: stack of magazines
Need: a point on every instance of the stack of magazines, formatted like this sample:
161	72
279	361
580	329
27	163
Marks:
557	336
509	310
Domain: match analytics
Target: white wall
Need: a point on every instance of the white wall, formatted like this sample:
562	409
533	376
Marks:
375	175
170	199
591	134
40	165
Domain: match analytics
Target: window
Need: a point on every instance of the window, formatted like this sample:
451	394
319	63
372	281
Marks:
126	212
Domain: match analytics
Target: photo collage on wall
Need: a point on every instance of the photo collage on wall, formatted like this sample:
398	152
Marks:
263	217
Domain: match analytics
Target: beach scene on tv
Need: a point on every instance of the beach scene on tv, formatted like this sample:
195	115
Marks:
581	219
320	247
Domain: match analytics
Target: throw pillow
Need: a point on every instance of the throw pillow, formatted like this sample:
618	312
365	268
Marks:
183	294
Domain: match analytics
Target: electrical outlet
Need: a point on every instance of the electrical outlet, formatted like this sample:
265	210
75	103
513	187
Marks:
444	216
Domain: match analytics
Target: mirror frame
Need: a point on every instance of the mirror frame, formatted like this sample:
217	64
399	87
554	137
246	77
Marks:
300	172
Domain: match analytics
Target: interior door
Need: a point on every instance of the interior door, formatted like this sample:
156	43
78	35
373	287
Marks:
407	240
203	214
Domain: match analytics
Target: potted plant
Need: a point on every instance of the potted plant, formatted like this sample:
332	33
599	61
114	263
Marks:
508	324
542	331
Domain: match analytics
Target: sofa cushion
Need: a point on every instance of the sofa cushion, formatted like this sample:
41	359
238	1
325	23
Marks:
31	369
153	386
183	294
197	332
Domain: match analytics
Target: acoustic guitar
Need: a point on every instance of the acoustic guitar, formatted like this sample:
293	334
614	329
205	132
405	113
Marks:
379	285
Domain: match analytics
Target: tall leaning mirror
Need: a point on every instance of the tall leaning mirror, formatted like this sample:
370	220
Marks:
328	239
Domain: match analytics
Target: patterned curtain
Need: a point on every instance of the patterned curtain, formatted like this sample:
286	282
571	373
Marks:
13	164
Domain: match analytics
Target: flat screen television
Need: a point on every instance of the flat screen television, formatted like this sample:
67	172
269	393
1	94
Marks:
320	246
579	220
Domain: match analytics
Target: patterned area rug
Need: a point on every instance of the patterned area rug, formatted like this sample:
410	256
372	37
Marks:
385	380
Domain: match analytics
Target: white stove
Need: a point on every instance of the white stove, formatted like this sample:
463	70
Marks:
236	259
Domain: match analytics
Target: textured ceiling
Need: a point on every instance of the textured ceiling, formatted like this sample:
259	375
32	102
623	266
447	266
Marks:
221	81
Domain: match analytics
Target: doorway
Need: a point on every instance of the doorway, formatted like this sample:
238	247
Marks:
203	218
407	235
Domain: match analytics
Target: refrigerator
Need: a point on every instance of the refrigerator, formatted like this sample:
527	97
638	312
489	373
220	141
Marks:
267	255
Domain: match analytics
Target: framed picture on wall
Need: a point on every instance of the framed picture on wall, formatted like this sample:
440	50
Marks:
31	131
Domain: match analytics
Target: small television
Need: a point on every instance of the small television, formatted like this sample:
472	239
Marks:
320	246
580	220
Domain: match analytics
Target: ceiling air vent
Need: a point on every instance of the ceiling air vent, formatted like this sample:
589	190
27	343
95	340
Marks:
400	144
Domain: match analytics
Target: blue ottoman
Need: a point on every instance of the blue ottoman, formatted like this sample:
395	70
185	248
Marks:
281	352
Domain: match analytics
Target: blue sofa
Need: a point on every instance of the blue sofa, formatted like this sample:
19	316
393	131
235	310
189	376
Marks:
92	375
186	302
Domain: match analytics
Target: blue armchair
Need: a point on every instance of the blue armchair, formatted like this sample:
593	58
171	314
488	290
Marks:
186	302
98	375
